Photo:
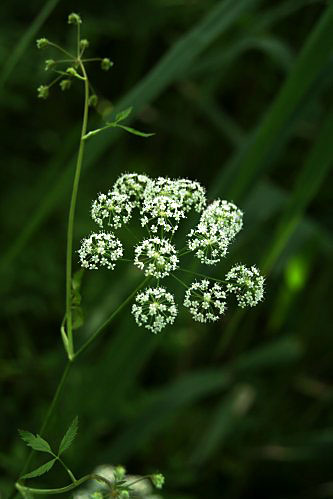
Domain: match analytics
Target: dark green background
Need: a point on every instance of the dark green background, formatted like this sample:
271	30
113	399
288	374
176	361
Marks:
239	94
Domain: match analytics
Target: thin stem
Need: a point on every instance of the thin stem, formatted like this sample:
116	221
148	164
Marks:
179	280
50	411
61	490
92	59
201	275
62	50
108	320
71	217
72	477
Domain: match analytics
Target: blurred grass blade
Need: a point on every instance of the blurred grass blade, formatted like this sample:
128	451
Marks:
257	154
309	181
26	40
164	405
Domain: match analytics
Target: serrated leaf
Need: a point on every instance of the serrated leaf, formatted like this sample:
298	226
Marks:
69	436
36	442
41	470
122	115
134	131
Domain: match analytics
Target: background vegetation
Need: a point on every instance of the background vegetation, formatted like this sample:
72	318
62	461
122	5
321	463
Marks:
239	95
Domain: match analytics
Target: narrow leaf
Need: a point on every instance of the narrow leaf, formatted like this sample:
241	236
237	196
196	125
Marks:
69	436
122	115
134	131
36	442
41	470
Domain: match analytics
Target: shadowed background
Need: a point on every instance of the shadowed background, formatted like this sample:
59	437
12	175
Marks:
239	94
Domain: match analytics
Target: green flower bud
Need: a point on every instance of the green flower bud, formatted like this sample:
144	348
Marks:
65	85
157	480
48	64
124	494
42	43
74	19
73	72
93	100
43	92
106	64
84	44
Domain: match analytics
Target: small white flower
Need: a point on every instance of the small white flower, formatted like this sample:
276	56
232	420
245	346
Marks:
209	243
157	257
113	209
206	301
100	249
132	185
187	193
162	213
192	194
154	308
247	284
225	215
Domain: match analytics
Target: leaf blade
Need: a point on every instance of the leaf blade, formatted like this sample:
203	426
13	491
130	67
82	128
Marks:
69	436
41	470
36	442
134	131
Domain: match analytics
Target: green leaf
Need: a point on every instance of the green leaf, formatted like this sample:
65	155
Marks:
41	470
134	131
122	115
69	436
36	442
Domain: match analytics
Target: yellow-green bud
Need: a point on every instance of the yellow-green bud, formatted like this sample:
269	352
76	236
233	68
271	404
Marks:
71	71
42	43
84	44
48	64
158	480
93	100
74	19
43	92
119	472
65	84
106	64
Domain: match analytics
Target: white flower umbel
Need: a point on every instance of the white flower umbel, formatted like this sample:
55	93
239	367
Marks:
192	194
208	242
132	185
100	249
154	308
161	214
206	301
157	257
161	186
225	215
247	284
112	209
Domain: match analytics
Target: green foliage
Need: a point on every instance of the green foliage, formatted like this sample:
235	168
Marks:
41	470
36	442
69	436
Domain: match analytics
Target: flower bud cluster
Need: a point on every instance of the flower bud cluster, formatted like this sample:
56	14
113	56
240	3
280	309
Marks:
246	284
206	301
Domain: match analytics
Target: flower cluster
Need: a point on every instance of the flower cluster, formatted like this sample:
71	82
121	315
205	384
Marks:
101	249
246	284
112	209
206	301
161	204
154	308
157	257
123	486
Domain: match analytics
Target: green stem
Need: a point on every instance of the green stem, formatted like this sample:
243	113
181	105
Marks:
62	50
109	319
61	490
72	477
50	410
71	217
201	275
180	281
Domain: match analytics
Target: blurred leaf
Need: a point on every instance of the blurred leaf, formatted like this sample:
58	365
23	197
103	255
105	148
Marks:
134	131
69	436
122	115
